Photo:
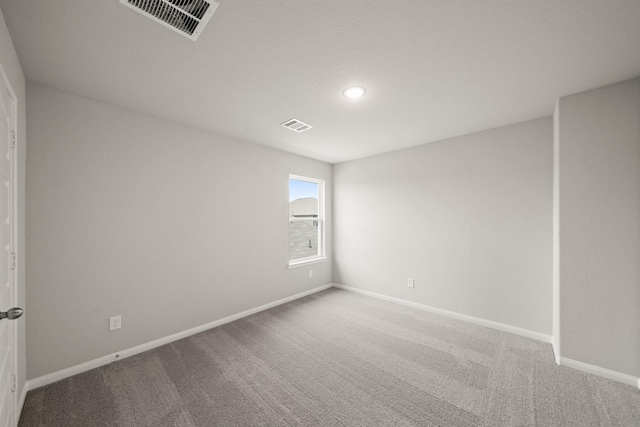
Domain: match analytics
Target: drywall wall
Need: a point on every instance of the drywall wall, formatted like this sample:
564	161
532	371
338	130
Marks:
469	218
599	226
169	226
11	66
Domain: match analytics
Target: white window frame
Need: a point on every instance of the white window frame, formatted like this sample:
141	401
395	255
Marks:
321	256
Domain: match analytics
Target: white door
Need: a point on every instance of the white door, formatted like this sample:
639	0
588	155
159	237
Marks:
7	262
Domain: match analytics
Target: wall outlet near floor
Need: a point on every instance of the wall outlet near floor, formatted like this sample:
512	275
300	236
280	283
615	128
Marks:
115	322
310	273
411	283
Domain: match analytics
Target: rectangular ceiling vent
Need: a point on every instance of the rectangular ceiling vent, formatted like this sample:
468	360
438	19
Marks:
296	125
187	17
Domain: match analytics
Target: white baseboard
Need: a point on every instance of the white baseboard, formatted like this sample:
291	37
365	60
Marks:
563	361
488	323
95	363
74	370
21	399
601	372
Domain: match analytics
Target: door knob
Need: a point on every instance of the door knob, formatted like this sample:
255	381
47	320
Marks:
12	313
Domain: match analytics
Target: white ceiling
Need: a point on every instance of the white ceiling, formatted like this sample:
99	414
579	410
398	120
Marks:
433	69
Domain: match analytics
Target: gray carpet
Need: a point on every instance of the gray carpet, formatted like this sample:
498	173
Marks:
338	359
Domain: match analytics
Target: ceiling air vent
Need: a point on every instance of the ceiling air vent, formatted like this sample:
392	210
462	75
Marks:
188	17
296	125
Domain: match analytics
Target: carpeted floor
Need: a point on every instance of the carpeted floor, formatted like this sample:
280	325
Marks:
337	358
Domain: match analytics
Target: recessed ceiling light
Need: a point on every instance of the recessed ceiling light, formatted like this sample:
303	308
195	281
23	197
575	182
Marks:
354	92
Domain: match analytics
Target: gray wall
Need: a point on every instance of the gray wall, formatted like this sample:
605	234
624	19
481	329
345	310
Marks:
469	218
599	226
168	226
11	65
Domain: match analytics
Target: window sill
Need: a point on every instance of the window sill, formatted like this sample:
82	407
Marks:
296	264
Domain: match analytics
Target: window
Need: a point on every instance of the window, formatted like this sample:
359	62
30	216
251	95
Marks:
306	220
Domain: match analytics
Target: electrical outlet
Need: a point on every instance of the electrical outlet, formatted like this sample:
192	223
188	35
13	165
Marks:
310	273
115	322
411	283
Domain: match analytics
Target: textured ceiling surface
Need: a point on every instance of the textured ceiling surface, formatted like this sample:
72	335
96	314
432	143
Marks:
433	69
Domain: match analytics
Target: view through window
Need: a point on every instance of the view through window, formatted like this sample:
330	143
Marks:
306	212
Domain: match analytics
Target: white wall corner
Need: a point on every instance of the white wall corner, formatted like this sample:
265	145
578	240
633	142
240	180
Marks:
555	344
476	320
556	308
